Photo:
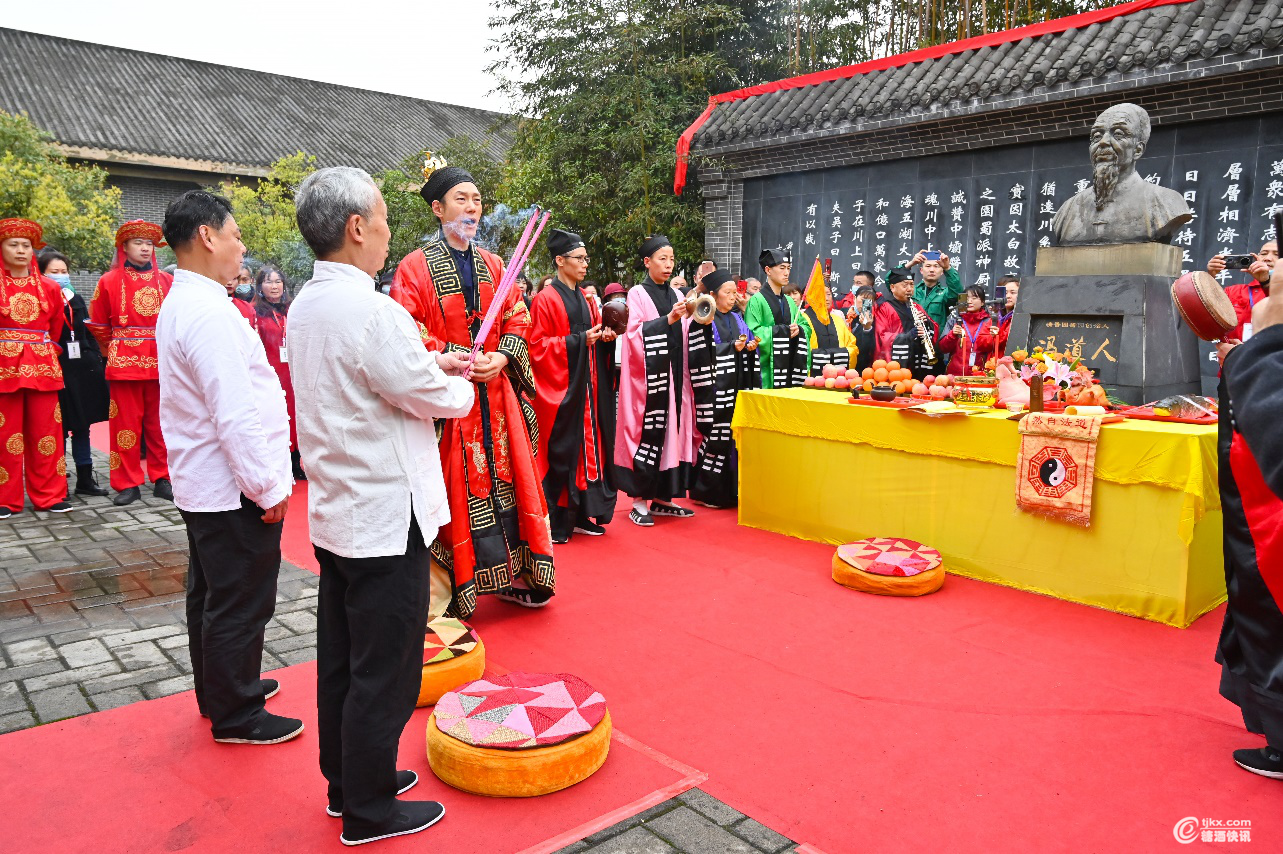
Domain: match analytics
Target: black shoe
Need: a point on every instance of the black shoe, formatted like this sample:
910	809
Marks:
60	507
296	464
1265	761
270	729
659	508
405	781
644	519
559	539
410	817
163	489
5	512
127	496
524	596
87	484
592	529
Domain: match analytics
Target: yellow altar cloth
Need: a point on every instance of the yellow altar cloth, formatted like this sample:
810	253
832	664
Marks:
813	466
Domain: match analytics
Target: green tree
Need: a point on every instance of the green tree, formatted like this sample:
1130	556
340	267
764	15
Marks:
73	203
609	85
264	210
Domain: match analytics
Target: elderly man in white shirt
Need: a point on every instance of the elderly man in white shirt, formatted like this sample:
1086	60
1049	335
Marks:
366	392
223	415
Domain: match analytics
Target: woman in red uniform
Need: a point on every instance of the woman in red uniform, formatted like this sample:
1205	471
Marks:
30	376
271	305
972	340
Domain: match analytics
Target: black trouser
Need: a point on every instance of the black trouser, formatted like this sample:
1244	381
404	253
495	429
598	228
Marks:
231	594
371	614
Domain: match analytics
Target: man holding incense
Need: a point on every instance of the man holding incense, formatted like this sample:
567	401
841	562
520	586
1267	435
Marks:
498	539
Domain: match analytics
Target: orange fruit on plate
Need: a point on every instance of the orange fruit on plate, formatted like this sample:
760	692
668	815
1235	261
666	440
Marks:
868	385
893	366
880	375
879	363
866	374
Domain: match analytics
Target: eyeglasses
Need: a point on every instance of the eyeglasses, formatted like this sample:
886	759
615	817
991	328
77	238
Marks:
583	258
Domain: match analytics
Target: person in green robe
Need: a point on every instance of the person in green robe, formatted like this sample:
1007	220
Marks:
785	351
940	286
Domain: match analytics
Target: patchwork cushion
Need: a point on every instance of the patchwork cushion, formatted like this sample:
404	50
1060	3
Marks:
447	638
520	710
888	566
892	556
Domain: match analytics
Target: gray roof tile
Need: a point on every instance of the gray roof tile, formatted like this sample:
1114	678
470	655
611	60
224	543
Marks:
1161	39
101	97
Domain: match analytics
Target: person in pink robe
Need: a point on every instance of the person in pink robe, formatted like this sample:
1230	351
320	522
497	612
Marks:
654	438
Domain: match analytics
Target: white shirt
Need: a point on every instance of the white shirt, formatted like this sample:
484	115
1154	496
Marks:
365	393
222	408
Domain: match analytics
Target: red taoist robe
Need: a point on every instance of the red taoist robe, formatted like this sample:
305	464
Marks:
573	459
429	286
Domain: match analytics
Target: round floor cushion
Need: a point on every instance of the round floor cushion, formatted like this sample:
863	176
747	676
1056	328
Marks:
889	566
519	735
453	655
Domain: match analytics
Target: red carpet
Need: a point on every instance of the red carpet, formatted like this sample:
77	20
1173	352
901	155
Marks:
977	719
147	777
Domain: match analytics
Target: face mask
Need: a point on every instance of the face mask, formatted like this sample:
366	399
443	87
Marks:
63	279
244	292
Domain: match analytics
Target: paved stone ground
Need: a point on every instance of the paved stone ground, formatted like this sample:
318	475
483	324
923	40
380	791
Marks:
92	617
692	823
92	612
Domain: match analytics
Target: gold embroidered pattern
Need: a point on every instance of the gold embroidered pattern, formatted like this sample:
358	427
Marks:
46	446
480	513
506	495
97	291
14	445
503	458
113	411
62	467
28	372
4	476
147	301
113	461
10	348
24	308
126	439
40	349
143	362
1	419
57	413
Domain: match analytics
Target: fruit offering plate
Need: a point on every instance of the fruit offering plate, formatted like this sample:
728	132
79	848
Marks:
1146	413
896	403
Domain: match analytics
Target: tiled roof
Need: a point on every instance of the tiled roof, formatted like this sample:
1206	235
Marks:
1152	41
109	99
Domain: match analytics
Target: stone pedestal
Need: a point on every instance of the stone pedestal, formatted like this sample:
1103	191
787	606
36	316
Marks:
1112	305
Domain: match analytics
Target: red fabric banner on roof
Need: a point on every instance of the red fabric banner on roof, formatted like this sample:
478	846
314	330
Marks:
1059	25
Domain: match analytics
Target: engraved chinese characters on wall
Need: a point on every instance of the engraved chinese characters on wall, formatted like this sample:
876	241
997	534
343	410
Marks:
991	210
1093	340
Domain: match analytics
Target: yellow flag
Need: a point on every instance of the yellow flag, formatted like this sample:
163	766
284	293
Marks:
816	294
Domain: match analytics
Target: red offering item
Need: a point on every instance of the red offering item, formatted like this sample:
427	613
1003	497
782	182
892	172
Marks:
897	403
1202	302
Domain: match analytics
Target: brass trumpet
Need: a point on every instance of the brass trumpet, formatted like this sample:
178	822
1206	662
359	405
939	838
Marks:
701	308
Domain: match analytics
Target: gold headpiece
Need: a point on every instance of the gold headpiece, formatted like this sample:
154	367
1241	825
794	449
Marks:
432	163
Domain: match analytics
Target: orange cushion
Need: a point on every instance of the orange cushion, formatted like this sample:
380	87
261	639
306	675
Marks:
888	566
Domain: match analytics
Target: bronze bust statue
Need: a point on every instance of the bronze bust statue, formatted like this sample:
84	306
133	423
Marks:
1120	206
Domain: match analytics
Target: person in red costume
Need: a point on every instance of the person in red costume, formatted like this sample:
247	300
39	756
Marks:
971	341
271	308
498	538
896	334
1245	296
570	351
31	323
122	316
